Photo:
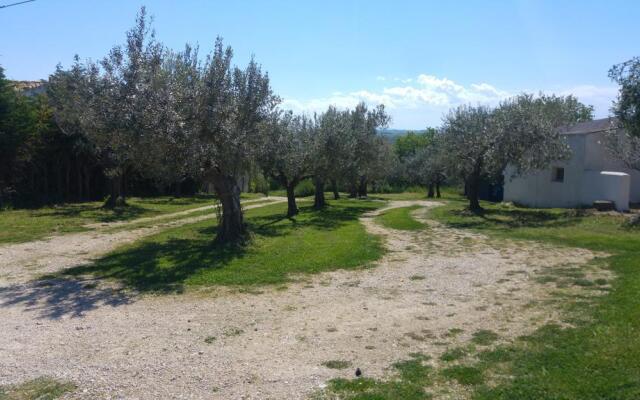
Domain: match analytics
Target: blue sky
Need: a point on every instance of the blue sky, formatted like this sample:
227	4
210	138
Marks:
417	57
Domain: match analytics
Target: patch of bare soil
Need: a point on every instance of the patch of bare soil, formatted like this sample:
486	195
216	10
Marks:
23	261
272	344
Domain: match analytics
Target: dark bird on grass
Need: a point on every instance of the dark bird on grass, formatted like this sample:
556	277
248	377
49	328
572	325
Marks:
358	372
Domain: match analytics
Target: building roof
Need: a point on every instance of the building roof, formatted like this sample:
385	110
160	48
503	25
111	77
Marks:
583	128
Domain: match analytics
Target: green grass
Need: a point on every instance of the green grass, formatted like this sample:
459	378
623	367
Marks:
312	242
596	359
337	364
453	354
414	375
484	337
464	375
23	225
37	389
400	218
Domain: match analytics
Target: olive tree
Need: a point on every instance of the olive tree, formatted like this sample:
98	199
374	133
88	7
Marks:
480	142
428	166
627	106
365	145
232	103
286	152
623	146
623	137
329	148
111	103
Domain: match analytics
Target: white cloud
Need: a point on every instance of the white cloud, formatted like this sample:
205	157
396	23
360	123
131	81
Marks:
419	102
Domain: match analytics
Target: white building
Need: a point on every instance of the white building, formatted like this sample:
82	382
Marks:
590	174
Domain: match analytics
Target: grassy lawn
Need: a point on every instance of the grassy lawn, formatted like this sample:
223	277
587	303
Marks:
400	218
24	225
597	358
37	389
186	256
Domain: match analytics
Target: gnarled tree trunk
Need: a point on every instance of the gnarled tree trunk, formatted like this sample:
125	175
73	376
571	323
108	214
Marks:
318	200
116	198
438	189
473	190
362	187
430	192
334	188
292	207
231	228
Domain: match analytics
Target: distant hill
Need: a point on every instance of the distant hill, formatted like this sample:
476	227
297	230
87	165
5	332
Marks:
392	134
29	88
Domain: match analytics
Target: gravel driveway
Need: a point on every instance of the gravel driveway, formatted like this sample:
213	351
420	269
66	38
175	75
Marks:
271	344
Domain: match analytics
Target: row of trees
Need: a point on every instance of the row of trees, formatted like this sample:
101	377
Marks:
146	111
149	110
38	163
476	143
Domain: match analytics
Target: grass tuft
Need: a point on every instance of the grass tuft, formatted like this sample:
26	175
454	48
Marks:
337	364
484	337
43	388
464	375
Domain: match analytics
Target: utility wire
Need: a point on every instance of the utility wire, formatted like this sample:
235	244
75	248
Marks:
15	4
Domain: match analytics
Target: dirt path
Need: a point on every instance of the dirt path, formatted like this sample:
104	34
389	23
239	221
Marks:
271	345
23	261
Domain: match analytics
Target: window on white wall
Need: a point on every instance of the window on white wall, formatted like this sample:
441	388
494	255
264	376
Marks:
557	174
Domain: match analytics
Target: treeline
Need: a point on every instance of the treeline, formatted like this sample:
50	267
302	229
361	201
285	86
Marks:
157	117
158	114
475	144
40	164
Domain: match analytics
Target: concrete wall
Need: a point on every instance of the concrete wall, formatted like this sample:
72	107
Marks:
597	158
537	188
585	179
606	185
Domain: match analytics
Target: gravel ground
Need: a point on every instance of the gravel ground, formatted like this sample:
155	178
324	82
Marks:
223	344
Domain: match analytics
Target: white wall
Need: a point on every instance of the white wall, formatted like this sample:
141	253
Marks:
597	158
585	179
537	189
606	185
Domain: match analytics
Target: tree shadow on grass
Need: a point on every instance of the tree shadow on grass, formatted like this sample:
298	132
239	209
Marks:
329	218
57	298
160	267
124	213
164	266
515	218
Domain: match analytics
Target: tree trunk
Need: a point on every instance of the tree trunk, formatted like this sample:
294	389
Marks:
79	179
123	189
231	228
318	201
59	187
362	187
334	188
473	191
67	178
438	189
87	182
430	192
45	182
292	208
115	198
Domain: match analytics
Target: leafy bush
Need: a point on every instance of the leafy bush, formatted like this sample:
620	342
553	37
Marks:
305	188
